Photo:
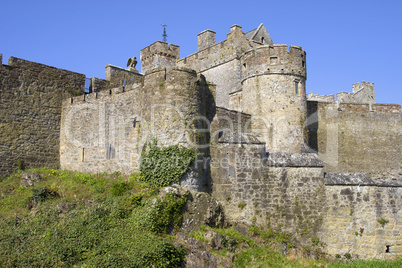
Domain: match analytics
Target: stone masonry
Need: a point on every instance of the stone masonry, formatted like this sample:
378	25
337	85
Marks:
325	171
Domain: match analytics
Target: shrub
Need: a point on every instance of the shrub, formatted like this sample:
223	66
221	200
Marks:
161	216
119	188
40	194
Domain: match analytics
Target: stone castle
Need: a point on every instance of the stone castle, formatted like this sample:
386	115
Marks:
312	166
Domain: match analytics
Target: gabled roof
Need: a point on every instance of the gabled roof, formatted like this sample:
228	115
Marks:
260	35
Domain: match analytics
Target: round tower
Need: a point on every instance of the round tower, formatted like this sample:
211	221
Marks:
274	94
173	105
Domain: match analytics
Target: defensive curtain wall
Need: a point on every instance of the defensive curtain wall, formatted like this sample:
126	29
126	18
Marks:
262	174
105	131
335	213
30	109
357	137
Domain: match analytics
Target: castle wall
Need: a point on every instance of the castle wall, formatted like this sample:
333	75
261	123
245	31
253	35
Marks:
30	106
274	94
229	120
101	132
105	131
159	55
278	114
284	192
351	138
119	77
362	93
220	64
352	221
335	214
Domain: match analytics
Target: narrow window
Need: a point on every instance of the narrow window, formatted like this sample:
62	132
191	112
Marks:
262	40
297	88
387	248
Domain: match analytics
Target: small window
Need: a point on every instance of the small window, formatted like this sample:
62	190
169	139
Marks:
297	91
262	40
274	60
303	63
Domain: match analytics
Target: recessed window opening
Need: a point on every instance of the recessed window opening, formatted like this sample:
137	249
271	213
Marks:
262	39
297	91
387	248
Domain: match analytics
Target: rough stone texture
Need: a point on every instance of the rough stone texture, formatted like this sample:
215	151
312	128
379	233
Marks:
198	256
284	198
119	77
29	179
289	193
105	131
175	102
294	160
201	209
30	106
274	94
229	120
360	179
205	39
362	93
351	138
159	55
351	222
221	64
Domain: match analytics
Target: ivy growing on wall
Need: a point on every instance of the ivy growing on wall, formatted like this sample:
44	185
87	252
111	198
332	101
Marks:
160	166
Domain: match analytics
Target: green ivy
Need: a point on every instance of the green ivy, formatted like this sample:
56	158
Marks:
160	166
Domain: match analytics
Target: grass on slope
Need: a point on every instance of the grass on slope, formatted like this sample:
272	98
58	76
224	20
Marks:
106	220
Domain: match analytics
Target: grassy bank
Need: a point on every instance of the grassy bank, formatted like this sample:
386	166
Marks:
107	220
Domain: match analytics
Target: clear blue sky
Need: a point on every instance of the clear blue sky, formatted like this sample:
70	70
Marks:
346	41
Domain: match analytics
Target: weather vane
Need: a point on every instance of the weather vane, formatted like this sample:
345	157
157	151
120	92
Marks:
164	35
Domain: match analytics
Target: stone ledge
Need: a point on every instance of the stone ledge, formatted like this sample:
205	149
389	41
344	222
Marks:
294	160
238	138
360	179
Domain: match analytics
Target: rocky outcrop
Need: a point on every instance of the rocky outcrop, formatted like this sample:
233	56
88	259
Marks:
198	256
29	179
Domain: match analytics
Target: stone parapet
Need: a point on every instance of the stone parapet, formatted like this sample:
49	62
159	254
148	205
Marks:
294	160
357	179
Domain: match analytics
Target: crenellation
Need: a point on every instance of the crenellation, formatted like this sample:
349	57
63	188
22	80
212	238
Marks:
273	156
206	39
159	54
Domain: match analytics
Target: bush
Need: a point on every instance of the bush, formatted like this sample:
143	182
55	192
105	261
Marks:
119	189
40	194
86	237
161	216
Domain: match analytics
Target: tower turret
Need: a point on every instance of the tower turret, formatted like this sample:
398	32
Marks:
159	55
274	94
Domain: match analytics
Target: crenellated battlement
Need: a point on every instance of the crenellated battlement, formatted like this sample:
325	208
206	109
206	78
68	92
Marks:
159	54
276	59
362	85
268	151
